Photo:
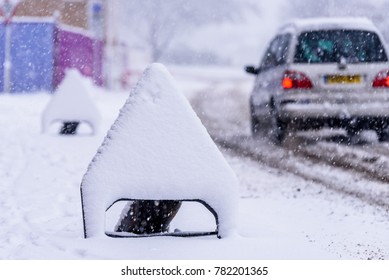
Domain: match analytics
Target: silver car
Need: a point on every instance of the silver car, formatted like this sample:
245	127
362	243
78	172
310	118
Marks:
322	73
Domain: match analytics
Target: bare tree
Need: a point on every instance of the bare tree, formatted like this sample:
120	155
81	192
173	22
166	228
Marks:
306	8
156	23
374	10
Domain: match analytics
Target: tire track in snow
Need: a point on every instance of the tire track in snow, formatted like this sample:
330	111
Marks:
366	161
345	182
369	158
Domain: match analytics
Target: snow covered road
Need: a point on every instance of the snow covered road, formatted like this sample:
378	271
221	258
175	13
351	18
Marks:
325	157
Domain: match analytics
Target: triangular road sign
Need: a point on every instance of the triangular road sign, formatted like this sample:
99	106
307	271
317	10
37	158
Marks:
158	149
72	103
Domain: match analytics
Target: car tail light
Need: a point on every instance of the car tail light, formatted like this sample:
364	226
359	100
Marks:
296	80
382	79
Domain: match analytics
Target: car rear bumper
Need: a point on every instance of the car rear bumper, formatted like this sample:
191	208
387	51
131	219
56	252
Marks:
333	106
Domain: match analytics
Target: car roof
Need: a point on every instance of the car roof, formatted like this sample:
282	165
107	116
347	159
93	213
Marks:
309	24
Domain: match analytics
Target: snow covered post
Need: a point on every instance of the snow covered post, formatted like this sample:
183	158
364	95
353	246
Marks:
157	150
149	216
8	9
69	128
71	104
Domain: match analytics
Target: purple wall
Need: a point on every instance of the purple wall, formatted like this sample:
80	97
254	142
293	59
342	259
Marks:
77	50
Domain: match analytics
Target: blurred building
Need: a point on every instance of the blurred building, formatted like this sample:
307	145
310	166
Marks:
78	13
68	12
41	39
95	16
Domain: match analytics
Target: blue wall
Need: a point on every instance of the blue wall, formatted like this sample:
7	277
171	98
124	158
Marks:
32	56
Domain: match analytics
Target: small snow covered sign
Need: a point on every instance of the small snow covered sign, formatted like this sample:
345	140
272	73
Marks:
158	149
72	104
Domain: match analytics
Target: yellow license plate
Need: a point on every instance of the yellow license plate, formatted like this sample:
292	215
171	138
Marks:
343	79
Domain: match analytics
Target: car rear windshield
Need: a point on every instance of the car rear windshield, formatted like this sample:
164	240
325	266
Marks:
333	46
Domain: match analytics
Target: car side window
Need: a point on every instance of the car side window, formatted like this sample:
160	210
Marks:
277	52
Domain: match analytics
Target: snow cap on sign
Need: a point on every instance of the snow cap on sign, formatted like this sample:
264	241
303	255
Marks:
158	149
72	102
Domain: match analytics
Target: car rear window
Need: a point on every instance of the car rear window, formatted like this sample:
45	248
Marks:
330	46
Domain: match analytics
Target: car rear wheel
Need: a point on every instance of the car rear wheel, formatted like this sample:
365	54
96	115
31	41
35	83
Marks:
255	125
255	131
277	130
353	133
383	134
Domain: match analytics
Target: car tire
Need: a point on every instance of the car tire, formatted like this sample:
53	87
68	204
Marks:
353	135
255	129
277	131
383	134
255	125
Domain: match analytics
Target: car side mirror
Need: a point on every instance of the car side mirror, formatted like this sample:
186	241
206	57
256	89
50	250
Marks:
252	70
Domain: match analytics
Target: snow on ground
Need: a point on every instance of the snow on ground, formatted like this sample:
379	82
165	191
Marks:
287	204
280	216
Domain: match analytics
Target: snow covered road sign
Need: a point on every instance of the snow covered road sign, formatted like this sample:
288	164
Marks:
158	149
71	104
